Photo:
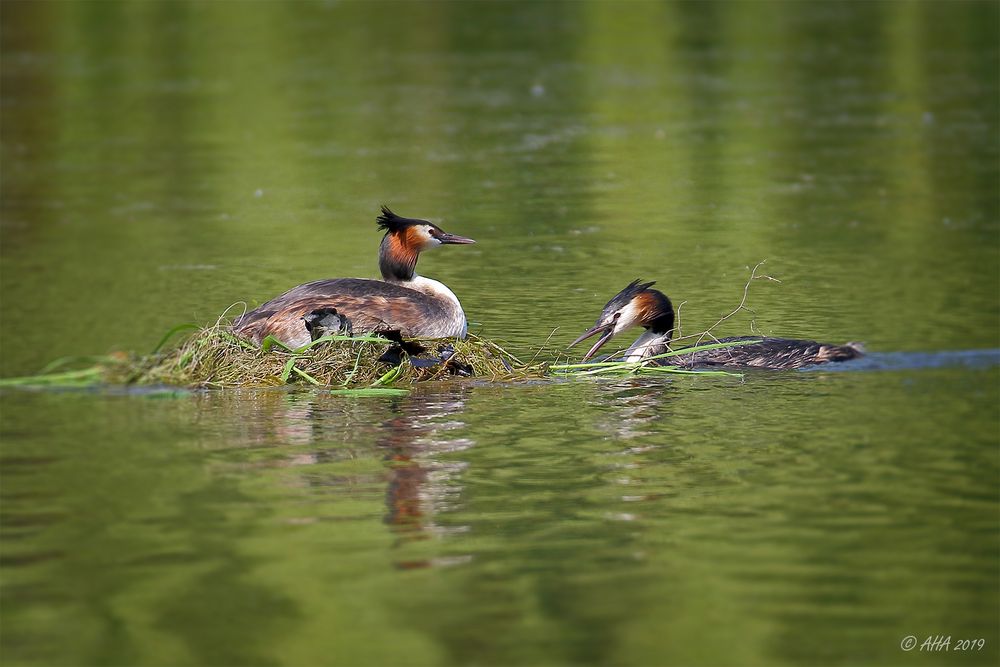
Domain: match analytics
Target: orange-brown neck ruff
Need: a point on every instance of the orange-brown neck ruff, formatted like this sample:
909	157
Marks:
397	256
655	311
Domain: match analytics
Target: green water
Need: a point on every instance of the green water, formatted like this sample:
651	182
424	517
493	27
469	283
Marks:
162	161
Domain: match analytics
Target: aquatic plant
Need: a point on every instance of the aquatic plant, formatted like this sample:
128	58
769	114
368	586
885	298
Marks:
215	357
647	366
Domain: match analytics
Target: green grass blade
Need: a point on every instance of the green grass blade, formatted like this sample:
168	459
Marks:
389	377
701	348
170	334
665	355
232	338
357	364
287	371
586	364
352	339
309	378
270	341
652	370
82	378
66	361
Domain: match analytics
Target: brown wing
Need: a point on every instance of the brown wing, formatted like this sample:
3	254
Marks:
368	304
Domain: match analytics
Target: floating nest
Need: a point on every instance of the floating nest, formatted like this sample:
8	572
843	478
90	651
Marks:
215	357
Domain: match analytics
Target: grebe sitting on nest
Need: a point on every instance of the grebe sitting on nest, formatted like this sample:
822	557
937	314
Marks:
403	300
638	305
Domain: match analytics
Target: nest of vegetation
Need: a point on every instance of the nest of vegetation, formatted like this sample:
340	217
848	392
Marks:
215	357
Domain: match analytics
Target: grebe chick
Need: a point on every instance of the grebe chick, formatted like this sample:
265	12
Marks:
327	322
415	305
639	306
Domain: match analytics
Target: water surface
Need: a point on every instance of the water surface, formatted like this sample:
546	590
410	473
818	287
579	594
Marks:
162	161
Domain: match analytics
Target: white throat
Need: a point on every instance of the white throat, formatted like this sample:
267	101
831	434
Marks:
649	344
434	288
439	291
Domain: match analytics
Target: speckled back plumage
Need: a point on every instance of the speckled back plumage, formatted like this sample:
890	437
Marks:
767	353
369	304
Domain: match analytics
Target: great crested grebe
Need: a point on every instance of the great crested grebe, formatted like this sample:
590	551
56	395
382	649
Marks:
415	305
639	306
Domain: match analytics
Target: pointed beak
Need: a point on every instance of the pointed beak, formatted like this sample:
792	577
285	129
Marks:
445	237
608	331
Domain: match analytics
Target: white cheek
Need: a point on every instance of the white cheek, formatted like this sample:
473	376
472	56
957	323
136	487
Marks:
627	318
429	240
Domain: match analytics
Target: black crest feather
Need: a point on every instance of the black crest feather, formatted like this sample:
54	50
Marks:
621	299
391	222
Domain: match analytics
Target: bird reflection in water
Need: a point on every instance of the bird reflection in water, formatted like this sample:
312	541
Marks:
409	432
629	408
632	408
421	487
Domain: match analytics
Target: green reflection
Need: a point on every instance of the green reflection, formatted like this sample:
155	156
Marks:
163	160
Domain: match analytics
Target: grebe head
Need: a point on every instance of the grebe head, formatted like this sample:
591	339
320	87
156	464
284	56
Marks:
325	322
635	306
404	240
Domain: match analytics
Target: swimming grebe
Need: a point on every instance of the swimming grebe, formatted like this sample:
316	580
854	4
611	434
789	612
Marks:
415	305
638	305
